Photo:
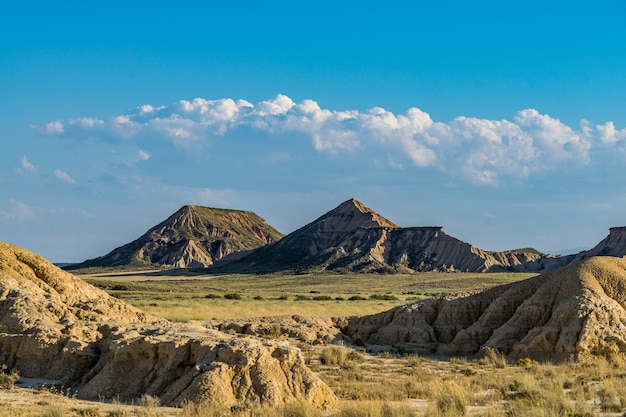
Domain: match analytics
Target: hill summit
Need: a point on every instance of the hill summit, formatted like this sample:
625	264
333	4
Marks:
354	238
194	236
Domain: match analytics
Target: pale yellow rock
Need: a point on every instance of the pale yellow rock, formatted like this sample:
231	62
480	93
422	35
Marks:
57	327
573	311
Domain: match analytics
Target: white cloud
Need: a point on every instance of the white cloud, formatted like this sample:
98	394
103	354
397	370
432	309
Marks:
143	155
609	135
17	211
477	150
54	127
64	176
27	165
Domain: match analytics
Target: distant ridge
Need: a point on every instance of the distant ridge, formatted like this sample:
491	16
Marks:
354	238
194	236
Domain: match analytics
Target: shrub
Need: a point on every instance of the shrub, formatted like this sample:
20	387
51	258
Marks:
212	296
232	296
386	297
357	298
496	357
527	363
302	298
322	298
88	412
334	355
8	378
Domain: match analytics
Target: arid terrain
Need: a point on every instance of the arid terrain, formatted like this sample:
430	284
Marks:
424	344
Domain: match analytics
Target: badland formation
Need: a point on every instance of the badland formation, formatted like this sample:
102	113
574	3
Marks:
57	327
349	238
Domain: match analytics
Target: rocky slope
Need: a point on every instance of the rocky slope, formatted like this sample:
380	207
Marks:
57	327
194	236
353	238
572	311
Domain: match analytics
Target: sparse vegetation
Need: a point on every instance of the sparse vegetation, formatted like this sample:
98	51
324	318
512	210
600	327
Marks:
368	384
196	297
8	378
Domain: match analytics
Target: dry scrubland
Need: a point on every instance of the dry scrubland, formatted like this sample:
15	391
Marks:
202	297
367	384
385	385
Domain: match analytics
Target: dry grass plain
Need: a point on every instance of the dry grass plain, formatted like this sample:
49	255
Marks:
194	296
368	385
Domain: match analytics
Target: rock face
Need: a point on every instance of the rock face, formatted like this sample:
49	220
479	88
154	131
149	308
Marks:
57	327
194	236
353	238
568	312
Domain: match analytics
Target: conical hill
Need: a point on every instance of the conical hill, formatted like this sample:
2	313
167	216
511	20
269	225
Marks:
194	236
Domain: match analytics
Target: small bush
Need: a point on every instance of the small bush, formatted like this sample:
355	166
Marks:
339	299
527	363
8	378
212	296
334	355
275	331
283	297
384	297
302	298
322	298
495	357
357	298
56	410
258	297
232	296
87	412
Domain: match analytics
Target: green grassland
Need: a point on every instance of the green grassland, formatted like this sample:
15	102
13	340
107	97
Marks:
182	295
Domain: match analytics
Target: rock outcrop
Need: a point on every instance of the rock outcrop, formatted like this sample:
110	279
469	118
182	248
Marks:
194	236
57	327
569	312
353	238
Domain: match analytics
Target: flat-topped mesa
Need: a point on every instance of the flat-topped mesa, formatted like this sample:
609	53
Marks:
614	244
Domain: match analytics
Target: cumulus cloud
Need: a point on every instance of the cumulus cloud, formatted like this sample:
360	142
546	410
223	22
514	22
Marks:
480	151
64	176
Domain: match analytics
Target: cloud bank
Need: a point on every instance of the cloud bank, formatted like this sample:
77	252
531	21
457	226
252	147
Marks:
479	151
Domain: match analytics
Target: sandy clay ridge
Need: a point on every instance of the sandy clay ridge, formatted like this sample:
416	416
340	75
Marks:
566	313
56	327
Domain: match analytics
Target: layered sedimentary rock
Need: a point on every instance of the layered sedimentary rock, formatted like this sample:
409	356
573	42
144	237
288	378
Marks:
353	238
57	327
572	311
194	236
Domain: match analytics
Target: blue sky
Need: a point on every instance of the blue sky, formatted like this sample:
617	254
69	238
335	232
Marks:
503	123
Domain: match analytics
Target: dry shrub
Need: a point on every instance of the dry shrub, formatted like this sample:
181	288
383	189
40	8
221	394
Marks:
449	398
55	410
8	378
377	409
149	407
334	355
300	409
495	357
612	395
